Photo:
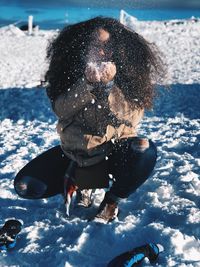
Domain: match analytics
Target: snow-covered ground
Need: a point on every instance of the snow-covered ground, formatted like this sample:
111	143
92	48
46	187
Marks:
166	209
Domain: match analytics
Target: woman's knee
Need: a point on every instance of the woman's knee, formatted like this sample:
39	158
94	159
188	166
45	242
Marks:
144	146
145	156
29	187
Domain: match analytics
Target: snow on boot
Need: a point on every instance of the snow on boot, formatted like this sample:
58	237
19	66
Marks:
84	198
9	233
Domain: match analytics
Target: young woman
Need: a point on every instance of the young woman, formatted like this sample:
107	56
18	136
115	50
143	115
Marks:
101	78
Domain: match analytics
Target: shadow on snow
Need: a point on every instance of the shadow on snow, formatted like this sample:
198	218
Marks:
31	104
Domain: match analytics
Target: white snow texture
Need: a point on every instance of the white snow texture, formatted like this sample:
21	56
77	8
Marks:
164	210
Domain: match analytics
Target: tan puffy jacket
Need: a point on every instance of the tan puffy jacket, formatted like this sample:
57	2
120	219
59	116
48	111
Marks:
87	124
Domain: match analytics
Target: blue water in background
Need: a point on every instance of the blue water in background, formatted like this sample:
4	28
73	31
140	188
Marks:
57	17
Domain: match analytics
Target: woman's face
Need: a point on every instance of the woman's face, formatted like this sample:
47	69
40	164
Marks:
100	49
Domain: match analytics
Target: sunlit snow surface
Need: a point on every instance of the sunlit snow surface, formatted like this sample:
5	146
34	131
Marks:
164	210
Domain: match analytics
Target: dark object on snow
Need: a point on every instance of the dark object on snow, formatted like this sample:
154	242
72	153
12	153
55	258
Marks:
181	22
24	27
9	233
134	257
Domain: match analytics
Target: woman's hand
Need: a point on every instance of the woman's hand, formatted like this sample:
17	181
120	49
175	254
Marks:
107	72
92	73
104	72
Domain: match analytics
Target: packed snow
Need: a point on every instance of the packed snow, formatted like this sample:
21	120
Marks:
165	210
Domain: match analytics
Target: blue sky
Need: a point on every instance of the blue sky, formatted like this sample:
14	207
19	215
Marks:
106	3
56	14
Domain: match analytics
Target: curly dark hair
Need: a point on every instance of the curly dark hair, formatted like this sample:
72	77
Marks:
138	62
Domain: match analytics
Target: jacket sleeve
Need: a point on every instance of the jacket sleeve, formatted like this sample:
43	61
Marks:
73	100
122	110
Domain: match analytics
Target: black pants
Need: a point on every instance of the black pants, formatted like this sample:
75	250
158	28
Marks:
43	176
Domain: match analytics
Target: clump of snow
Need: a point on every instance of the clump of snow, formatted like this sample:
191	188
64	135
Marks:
98	69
